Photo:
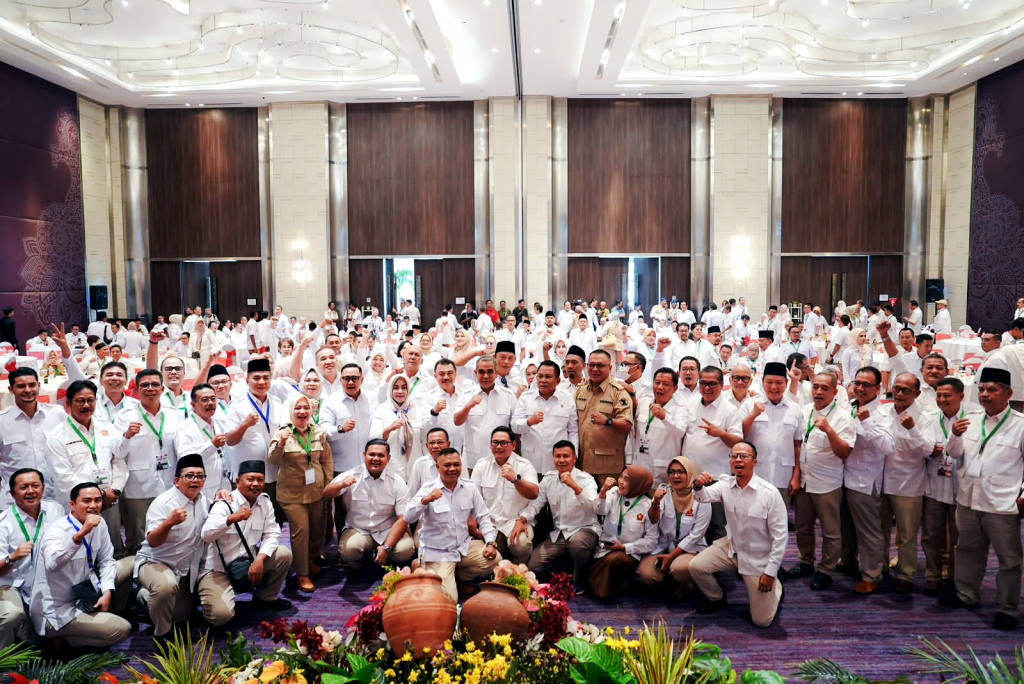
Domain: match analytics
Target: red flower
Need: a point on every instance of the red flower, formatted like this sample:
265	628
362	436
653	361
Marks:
276	631
21	679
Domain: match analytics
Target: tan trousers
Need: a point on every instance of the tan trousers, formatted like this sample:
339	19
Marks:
977	531
100	630
355	548
906	511
112	516
862	540
218	598
938	525
306	526
134	519
167	596
825	509
472	565
12	616
679	570
580	548
520	551
715	558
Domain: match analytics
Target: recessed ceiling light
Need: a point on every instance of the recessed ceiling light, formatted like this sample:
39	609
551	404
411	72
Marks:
487	3
131	75
967	5
398	98
965	73
278	92
622	94
494	49
864	23
167	61
640	94
202	45
860	94
538	2
972	60
887	84
402	89
74	72
824	2
733	49
201	104
238	29
188	104
415	98
107	61
996	59
844	94
761	85
536	51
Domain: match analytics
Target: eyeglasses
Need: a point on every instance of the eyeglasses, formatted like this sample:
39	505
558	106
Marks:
150	385
351	378
174	369
903	390
865	385
741	378
677	472
83	402
740	457
709	385
500	444
597	366
193	477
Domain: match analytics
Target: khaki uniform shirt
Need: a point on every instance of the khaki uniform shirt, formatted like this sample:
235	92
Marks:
602	449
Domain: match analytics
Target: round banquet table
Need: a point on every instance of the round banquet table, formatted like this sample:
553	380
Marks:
955	349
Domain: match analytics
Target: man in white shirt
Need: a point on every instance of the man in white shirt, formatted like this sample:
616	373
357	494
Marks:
915	318
544	416
989	503
253	420
941	323
20	528
444	506
685	315
191	316
566	318
829	436
478	413
243	527
424	468
41	342
756	542
509	376
134	341
796	344
684	347
76	338
100	328
660	425
508	482
689	378
437	404
772	424
203	433
812	323
73	551
707	350
112	401
24	428
583	335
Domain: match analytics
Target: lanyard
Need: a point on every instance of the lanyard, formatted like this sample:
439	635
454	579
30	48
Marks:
85	540
109	417
174	404
208	435
414	383
264	418
92	445
159	433
942	424
306	445
623	513
650	419
678	520
24	530
316	416
810	419
984	437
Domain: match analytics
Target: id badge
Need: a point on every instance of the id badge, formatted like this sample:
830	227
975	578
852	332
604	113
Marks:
103	477
310	476
161	462
946	468
645	445
974	467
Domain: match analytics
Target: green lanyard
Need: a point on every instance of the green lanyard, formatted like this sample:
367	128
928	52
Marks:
184	406
206	432
92	445
650	419
316	416
306	445
622	513
795	345
413	388
678	520
24	530
942	424
810	419
984	437
159	433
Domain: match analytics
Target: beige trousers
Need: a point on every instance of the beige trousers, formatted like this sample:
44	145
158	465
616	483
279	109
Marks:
218	598
715	558
100	630
355	548
134	519
12	616
825	509
306	526
938	524
167	596
862	541
906	511
472	565
679	570
977	532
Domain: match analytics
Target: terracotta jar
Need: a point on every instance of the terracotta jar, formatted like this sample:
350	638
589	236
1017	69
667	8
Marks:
420	613
495	610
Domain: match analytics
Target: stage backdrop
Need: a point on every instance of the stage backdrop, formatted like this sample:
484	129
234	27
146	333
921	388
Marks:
996	279
42	228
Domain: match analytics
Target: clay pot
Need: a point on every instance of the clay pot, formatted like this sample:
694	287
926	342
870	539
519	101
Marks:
419	612
495	610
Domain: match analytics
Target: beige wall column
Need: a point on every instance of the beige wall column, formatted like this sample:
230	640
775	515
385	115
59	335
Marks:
135	204
544	219
919	163
505	190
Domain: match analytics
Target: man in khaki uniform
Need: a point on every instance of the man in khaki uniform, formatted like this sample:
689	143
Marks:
605	411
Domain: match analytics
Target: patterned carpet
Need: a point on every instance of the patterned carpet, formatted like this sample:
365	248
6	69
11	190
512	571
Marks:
864	634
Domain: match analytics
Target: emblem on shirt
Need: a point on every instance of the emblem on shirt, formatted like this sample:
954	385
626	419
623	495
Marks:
640	517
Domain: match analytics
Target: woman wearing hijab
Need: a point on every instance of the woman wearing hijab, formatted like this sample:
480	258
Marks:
628	533
311	386
561	348
375	373
303	454
464	354
430	357
398	422
682	524
856	356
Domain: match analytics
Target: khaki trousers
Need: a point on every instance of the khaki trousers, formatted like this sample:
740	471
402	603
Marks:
112	516
862	540
825	509
218	598
134	520
355	548
938	524
715	558
580	548
167	596
906	511
521	551
100	630
306	526
977	531
472	565
679	570
12	616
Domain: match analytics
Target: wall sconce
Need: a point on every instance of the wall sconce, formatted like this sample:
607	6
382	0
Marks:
300	268
740	256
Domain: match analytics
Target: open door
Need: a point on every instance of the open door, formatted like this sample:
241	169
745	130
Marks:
646	281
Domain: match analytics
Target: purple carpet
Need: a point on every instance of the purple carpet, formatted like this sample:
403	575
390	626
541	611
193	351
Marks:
864	634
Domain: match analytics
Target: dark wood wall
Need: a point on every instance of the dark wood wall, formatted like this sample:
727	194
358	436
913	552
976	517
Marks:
591	277
410	178
366	281
843	175
238	282
165	281
629	176
809	280
440	281
203	183
675	278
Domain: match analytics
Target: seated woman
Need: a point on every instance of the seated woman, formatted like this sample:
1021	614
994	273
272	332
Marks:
681	525
628	533
54	364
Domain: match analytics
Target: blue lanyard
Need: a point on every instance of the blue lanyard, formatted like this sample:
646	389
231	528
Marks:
85	541
264	418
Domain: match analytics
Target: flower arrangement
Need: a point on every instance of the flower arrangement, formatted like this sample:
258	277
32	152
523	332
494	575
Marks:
306	645
268	672
547	604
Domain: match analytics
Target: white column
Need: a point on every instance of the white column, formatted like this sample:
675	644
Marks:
537	197
503	145
956	237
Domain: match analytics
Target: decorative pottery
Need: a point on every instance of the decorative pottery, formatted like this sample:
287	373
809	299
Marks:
495	610
419	613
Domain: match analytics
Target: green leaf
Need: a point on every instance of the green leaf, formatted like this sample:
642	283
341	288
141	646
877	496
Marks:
337	679
578	648
761	677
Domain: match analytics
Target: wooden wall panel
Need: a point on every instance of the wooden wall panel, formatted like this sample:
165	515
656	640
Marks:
165	281
193	283
809	280
430	296
843	175
238	282
629	176
886	278
675	278
459	281
203	183
366	280
591	277
410	178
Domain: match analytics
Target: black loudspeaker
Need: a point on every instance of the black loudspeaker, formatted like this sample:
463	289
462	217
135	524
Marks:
97	297
935	289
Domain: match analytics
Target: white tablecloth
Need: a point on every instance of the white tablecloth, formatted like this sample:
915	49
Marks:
955	349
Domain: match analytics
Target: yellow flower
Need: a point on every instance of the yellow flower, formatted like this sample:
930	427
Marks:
501	640
552	651
380	654
426	650
442	677
470	647
608	631
407	657
508	651
389	673
448	645
273	671
413	676
536	661
626	630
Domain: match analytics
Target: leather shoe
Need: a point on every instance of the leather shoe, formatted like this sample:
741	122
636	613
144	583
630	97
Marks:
277	605
821	581
902	586
848	570
314	569
953	601
1004	621
708	606
931	588
306	584
865	588
799	570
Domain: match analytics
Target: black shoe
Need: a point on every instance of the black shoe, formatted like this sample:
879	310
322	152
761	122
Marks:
821	581
1004	621
277	605
953	601
848	570
799	570
708	606
792	527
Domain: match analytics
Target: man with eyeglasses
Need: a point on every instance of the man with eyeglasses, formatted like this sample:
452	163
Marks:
81	449
220	380
604	411
660	425
741	380
478	413
632	374
251	423
438	405
146	443
204	433
862	537
113	379
173	371
508	482
543	416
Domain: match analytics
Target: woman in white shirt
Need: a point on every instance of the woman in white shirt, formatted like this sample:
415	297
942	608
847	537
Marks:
202	344
856	356
430	357
628	533
560	350
398	422
375	374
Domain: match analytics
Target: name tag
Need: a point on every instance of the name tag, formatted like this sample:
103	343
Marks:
974	467
310	476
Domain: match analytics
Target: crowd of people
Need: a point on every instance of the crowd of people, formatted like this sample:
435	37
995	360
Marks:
609	442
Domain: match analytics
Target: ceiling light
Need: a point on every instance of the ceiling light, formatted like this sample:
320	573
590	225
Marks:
967	5
859	94
73	72
844	94
415	98
176	72
325	4
864	23
604	56
874	55
771	2
494	49
824	2
202	46
487	3
167	61
428	56
188	104
201	104
536	51
131	75
996	59
401	89
761	85
107	61
620	9
972	60
538	2
733	48
238	30
398	98
965	73
887	84
622	94
124	2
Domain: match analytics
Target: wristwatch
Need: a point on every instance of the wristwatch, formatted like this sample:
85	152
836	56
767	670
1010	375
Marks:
519	477
8	560
608	422
387	548
341	429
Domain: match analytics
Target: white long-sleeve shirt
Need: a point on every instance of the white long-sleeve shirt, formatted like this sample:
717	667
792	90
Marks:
778	436
445	418
943	473
657	441
863	470
23	445
373	505
262	531
755	523
150	456
495	410
991	479
255	444
73	461
503	500
560	422
627	521
347	448
184	549
22	577
444	534
684	530
195	436
709	453
570	512
906	468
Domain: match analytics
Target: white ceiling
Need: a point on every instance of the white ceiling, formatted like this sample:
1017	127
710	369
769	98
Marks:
173	52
